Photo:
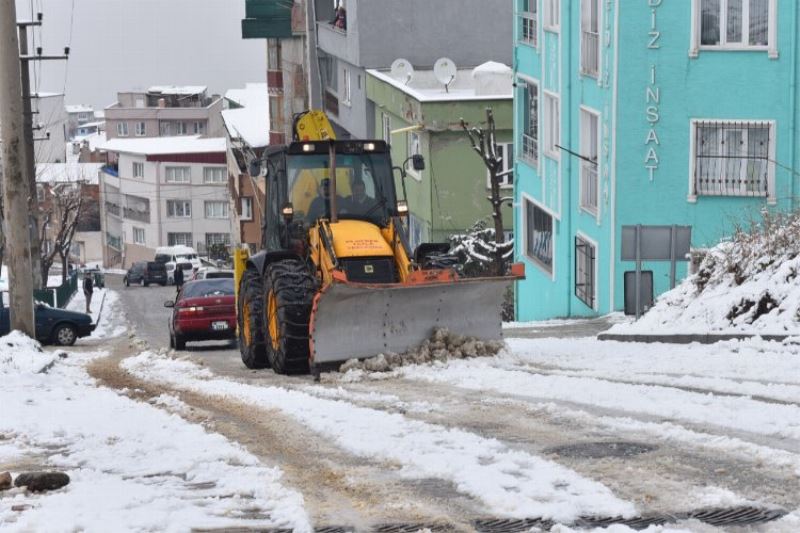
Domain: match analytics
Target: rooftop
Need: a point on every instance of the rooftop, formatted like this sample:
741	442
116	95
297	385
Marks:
79	108
252	94
489	81
177	89
67	172
191	144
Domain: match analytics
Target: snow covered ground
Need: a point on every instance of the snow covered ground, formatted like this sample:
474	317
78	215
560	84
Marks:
132	465
107	312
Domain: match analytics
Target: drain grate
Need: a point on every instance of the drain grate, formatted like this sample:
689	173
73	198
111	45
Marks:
597	450
510	525
334	529
413	528
737	516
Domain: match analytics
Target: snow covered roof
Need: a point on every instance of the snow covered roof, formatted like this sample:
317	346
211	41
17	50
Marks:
95	140
176	89
489	81
252	94
67	172
43	94
100	115
78	108
97	124
186	144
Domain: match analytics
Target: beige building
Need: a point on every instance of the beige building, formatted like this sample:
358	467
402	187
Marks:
163	191
165	111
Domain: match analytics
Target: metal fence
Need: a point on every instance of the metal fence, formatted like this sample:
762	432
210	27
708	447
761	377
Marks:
58	296
530	148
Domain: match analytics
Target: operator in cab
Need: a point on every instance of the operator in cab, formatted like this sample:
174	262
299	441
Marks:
321	205
360	203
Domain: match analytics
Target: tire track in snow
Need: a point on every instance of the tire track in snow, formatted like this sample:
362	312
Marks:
508	482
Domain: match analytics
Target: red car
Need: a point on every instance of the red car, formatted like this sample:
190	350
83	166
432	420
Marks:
203	310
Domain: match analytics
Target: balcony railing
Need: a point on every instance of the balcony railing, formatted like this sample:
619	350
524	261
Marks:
529	25
589	187
135	214
590	53
530	148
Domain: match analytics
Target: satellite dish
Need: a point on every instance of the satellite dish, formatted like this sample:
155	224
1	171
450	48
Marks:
445	71
402	70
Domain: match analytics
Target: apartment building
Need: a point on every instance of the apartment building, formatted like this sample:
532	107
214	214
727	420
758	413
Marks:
652	113
163	191
165	111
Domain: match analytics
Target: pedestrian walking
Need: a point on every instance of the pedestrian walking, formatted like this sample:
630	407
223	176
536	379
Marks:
178	277
88	291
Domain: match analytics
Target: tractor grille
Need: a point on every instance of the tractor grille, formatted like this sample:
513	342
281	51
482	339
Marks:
370	270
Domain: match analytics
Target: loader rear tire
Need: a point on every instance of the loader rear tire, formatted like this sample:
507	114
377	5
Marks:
250	316
289	295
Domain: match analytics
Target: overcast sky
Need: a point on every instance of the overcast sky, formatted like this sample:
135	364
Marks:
118	45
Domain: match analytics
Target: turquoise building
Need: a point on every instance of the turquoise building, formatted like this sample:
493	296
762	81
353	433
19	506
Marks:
644	112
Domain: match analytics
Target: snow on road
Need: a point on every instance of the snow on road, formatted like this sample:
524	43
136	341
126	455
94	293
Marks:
508	482
132	465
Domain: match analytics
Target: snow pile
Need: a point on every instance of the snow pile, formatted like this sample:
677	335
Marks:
750	285
110	321
19	354
133	466
476	249
442	346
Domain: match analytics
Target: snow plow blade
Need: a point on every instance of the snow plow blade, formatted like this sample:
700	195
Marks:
352	320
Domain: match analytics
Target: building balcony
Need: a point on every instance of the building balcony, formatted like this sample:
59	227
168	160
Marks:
334	41
112	208
135	214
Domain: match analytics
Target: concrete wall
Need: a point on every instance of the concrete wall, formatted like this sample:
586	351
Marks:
53	118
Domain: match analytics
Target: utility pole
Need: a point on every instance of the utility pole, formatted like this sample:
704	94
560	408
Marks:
39	278
15	186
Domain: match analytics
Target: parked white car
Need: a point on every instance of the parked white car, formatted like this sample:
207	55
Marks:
211	272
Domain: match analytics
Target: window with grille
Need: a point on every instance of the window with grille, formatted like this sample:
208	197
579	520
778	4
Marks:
214	175
589	169
590	37
218	238
179	208
585	255
506	151
539	236
735	23
216	209
177	174
528	21
732	158
530	122
179	239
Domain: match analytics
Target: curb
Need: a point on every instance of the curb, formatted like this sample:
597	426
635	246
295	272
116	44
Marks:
701	338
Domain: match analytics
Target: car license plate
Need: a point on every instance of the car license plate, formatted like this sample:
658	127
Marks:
219	326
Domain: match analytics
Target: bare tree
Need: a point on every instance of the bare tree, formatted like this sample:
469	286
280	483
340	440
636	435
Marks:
65	213
484	142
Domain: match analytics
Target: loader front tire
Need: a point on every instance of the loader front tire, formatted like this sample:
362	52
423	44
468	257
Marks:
289	291
250	316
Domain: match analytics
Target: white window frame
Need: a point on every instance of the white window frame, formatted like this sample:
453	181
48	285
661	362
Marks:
186	241
122	129
139	236
696	30
179	209
199	127
586	112
346	87
417	175
185	174
522	152
209	211
531	19
180	128
551	125
247	212
141	129
137	169
550	271
210	172
771	197
226	238
551	15
589	242
508	165
599	7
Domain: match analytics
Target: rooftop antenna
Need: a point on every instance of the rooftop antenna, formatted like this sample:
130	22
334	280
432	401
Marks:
445	71
402	70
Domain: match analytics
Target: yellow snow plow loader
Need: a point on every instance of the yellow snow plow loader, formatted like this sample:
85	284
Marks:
335	278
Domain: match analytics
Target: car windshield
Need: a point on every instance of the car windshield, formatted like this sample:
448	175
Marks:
163	258
213	275
364	186
212	287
